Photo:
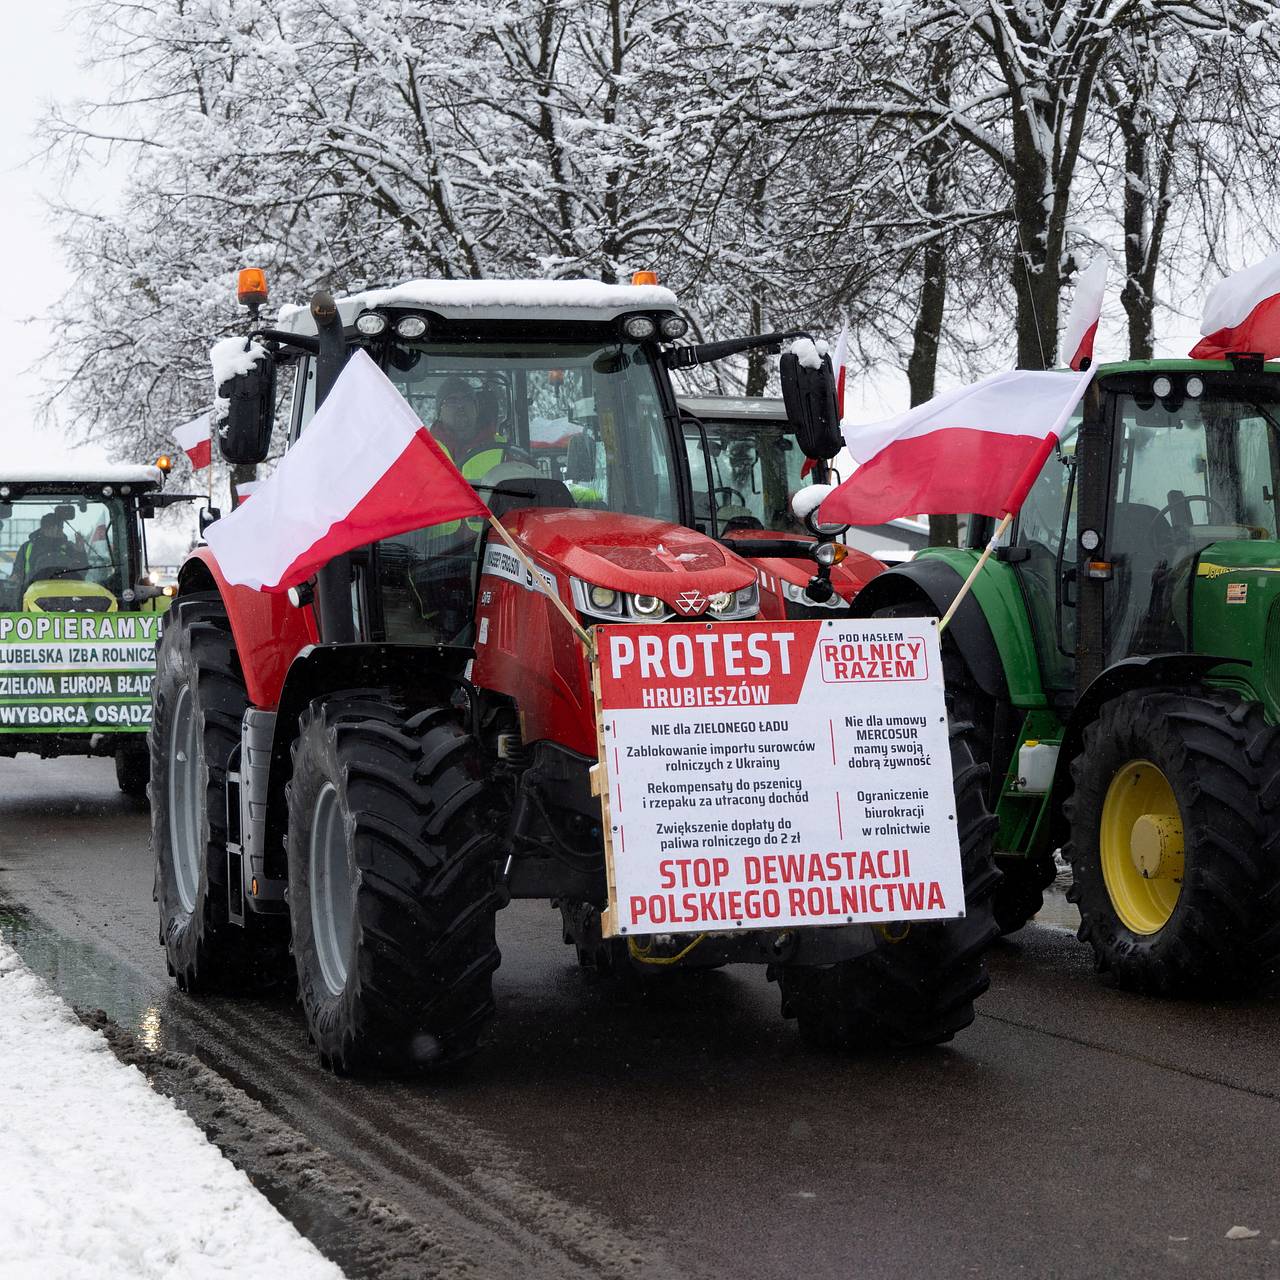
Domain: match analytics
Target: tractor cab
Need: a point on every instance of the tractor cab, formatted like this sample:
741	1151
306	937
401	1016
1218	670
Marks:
1119	657
78	613
745	465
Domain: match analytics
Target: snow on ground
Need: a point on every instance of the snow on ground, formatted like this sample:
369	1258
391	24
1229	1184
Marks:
102	1177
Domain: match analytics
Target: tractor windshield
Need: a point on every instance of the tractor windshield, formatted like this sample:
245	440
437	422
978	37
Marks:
747	476
61	552
583	422
1189	470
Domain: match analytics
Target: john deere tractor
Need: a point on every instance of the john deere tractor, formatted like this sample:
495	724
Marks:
350	782
1119	659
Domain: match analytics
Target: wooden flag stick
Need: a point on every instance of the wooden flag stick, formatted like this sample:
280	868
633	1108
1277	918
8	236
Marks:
1005	521
549	586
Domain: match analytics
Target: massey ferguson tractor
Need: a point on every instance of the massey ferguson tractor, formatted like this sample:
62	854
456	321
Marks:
350	782
1120	662
745	465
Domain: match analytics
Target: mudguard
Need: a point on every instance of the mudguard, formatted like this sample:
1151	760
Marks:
933	583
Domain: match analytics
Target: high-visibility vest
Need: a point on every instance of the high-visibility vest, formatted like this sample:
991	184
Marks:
475	468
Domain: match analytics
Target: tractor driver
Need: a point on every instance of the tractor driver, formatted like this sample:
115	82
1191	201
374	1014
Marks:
47	552
466	427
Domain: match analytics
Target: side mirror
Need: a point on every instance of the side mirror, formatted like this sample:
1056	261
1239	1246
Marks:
244	434
809	395
580	461
208	515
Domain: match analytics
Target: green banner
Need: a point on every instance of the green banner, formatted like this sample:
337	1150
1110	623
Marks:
76	672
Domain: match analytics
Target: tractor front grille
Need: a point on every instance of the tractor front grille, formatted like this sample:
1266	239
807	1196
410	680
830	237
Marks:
73	604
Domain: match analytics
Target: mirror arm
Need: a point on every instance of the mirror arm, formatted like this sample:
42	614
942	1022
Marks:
299	341
705	352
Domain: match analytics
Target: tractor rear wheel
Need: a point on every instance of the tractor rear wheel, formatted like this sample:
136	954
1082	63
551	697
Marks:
198	700
392	883
1167	840
918	985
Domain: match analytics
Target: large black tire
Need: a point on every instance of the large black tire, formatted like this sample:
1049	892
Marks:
198	676
133	770
1020	894
1212	748
414	930
919	985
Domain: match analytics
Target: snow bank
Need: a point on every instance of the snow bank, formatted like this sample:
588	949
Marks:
230	359
99	1176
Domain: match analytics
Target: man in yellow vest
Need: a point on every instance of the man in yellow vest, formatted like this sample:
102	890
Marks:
443	570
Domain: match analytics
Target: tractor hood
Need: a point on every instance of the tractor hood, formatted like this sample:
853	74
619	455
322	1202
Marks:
629	553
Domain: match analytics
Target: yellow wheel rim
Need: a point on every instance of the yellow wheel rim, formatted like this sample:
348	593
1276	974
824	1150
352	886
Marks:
1140	843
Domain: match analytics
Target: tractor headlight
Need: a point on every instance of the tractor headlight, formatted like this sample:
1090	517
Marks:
647	606
1162	386
411	327
605	599
371	324
639	328
674	326
721	602
596	601
800	595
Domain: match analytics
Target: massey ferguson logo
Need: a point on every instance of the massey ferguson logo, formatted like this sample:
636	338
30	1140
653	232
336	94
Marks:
691	602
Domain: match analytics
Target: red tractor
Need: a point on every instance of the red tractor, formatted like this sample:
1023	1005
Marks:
364	772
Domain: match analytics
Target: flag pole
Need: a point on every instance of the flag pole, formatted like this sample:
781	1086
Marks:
546	582
1005	521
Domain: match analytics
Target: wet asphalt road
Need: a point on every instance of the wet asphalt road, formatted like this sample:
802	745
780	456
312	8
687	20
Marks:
1072	1131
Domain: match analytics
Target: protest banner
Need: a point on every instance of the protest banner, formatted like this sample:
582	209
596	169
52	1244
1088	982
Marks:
760	774
76	672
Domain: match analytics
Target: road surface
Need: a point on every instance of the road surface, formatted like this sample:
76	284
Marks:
1072	1131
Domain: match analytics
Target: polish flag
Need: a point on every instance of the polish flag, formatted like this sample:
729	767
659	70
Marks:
977	449
365	468
1243	314
246	488
1086	311
195	439
838	362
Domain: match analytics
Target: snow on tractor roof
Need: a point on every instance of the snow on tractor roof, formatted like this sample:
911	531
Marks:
497	300
748	408
71	473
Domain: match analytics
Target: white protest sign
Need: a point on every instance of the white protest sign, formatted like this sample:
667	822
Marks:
764	774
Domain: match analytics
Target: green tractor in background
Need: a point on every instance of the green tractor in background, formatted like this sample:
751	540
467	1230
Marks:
1119	657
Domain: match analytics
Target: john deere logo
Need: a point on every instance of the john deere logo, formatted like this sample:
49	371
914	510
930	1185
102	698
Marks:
691	602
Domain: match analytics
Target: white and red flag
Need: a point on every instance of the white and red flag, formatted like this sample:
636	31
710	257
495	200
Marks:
1086	311
246	489
838	362
195	438
365	468
976	449
1243	314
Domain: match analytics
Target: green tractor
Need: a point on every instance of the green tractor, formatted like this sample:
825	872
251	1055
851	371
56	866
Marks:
1119	657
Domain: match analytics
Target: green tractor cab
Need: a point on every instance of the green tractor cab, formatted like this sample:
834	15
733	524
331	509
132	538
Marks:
1120	659
79	614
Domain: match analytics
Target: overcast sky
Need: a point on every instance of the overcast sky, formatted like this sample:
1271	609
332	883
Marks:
40	59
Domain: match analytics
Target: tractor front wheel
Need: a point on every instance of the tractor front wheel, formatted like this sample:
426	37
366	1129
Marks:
918	985
392	883
1167	840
